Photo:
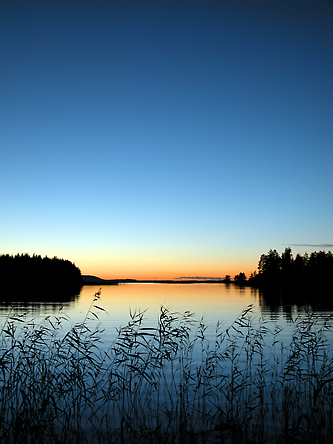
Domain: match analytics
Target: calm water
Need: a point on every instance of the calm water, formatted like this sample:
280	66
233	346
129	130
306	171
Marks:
210	302
249	368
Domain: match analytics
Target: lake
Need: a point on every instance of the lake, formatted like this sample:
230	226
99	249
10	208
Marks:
212	302
232	366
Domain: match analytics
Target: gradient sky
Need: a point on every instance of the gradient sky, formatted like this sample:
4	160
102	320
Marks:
158	139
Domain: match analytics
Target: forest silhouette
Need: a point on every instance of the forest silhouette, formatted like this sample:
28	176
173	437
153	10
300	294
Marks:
283	279
285	270
39	277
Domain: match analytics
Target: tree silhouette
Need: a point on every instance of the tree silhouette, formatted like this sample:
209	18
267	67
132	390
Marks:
269	266
284	270
227	279
23	269
240	278
287	266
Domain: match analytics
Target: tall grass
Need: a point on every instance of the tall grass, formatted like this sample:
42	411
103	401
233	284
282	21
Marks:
168	384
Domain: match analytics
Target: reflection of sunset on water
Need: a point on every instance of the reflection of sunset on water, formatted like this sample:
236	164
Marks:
212	301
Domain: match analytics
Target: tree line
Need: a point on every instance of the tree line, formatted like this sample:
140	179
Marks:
24	269
285	270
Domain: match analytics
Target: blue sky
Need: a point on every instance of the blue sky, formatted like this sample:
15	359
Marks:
165	138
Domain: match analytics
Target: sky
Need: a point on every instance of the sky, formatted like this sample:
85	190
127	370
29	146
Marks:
160	139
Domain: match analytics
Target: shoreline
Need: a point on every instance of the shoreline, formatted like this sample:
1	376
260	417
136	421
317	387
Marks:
93	280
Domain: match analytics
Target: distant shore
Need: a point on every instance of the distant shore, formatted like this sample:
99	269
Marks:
93	280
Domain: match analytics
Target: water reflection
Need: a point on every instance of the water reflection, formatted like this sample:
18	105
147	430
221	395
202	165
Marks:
212	302
36	299
35	308
299	297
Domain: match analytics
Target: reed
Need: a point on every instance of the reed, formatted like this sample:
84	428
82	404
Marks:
168	384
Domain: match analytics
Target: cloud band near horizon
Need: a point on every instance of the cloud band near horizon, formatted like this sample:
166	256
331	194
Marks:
311	245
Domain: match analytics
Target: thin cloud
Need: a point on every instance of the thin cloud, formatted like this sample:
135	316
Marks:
311	245
200	277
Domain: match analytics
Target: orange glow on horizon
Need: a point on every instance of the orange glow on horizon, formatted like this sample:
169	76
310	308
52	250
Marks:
155	273
151	265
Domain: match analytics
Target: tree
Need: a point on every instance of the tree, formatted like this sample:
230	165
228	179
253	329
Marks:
227	279
287	266
240	278
269	266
